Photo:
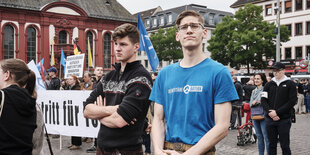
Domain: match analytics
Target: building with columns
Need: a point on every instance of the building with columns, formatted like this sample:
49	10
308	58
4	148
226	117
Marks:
30	27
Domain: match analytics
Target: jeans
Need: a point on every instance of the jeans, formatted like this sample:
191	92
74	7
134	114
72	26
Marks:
76	141
279	131
118	152
147	142
262	138
234	114
307	103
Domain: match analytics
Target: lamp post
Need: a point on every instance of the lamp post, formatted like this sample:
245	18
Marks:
278	31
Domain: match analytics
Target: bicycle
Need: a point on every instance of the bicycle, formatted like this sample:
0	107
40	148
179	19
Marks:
246	132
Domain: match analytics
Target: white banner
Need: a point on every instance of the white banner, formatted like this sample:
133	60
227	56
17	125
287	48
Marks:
74	65
63	113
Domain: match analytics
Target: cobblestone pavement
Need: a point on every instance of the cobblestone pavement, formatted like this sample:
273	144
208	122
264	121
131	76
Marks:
300	142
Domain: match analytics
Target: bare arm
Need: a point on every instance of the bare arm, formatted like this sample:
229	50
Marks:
217	133
158	129
98	110
94	111
114	121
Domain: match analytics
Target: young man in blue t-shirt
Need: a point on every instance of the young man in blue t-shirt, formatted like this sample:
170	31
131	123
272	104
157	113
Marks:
192	97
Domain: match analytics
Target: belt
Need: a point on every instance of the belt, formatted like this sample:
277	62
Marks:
184	147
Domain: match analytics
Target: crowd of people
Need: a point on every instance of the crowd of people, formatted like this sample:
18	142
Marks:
274	101
188	109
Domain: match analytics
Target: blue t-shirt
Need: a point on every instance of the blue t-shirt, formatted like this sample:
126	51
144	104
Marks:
188	96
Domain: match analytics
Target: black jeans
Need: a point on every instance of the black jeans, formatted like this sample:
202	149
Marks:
279	131
100	151
147	142
76	141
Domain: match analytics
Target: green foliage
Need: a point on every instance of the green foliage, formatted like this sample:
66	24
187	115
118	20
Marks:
165	44
245	39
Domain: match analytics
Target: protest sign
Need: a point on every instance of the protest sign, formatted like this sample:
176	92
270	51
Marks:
74	65
63	113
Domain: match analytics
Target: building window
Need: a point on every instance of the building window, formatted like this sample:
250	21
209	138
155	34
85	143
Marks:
220	19
298	29
289	27
62	37
146	62
288	6
160	64
268	9
154	22
308	50
276	11
211	19
308	4
298	51
170	18
8	42
148	24
89	36
162	20
308	28
288	52
31	44
298	5
211	32
203	47
107	51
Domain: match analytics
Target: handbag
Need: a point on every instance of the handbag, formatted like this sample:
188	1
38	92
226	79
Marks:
2	102
257	112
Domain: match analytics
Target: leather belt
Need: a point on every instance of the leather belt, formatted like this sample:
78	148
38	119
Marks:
184	147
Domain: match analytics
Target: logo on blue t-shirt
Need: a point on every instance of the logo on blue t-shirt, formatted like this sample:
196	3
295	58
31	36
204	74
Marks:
186	89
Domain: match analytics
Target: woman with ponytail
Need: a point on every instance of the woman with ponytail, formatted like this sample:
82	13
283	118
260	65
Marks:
18	116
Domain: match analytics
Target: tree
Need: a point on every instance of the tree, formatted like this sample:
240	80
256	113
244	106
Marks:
165	44
245	39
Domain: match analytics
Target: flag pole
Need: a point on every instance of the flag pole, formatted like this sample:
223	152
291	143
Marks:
59	76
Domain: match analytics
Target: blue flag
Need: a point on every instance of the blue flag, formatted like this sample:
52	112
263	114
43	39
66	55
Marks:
146	45
63	60
39	65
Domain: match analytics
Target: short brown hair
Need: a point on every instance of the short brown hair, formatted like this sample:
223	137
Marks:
126	30
189	13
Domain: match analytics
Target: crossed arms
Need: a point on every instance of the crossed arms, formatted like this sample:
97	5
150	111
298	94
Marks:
133	104
107	115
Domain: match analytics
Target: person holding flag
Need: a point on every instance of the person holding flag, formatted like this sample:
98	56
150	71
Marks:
146	45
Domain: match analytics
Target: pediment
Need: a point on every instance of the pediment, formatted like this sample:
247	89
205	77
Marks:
63	10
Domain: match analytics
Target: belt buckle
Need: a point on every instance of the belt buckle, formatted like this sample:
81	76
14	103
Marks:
177	146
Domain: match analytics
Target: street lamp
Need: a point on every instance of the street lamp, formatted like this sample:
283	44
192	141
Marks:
278	8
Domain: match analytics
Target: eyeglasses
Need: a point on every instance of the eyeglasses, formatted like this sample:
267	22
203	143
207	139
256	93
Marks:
194	26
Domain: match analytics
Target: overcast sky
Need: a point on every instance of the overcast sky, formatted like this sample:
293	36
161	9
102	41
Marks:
134	6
